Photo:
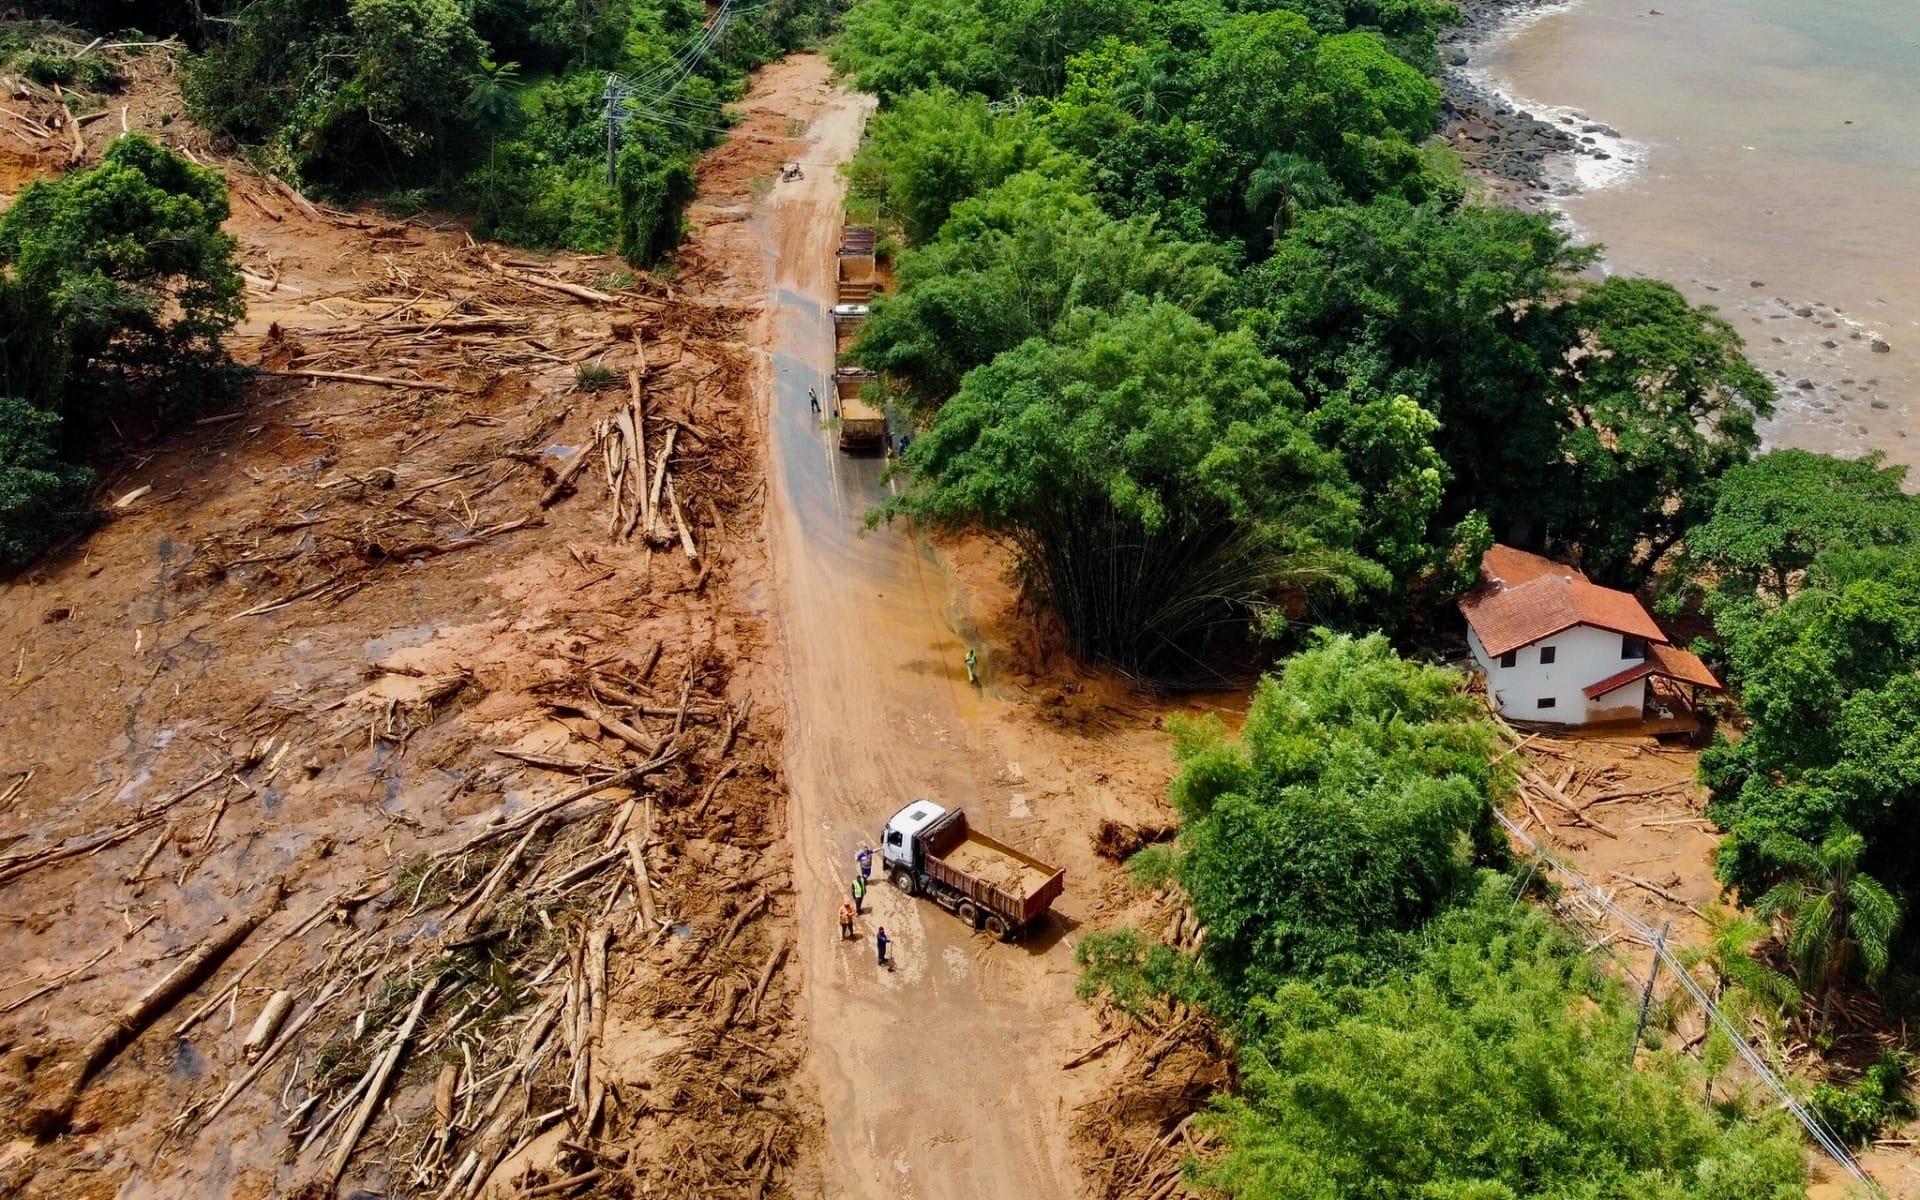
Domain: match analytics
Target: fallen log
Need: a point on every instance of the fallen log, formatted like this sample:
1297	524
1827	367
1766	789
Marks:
1096	1050
767	971
680	522
424	385
267	1024
295	198
642	884
554	285
52	1113
379	1086
740	918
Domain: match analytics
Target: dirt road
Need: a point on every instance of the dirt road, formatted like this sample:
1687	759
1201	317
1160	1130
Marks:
939	1077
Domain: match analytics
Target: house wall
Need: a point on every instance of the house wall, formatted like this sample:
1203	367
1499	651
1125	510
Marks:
1583	655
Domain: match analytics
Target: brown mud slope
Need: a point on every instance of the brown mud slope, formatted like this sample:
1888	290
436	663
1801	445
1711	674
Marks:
466	787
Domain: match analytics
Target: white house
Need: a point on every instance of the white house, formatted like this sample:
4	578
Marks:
1560	649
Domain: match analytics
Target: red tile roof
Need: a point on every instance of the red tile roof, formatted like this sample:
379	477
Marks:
1668	662
1509	568
1683	665
1523	598
1618	680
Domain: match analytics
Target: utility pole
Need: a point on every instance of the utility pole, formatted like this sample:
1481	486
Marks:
1646	996
616	97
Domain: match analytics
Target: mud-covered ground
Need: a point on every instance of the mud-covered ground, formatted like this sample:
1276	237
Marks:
338	660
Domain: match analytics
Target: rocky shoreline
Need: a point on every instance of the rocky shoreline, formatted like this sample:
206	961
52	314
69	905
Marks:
1509	147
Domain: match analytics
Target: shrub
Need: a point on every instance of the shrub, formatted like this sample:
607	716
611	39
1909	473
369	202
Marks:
1857	1114
41	498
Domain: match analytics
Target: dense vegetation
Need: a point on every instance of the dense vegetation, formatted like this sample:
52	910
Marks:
1406	1027
1257	185
1812	570
490	106
116	288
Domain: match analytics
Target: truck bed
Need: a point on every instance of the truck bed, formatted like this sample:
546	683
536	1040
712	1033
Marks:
989	872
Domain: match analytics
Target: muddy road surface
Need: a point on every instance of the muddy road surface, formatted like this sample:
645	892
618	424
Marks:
940	1076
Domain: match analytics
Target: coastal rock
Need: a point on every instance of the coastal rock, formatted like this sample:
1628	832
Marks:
1879	346
1757	283
1876	404
1803	311
1831	344
1457	57
1805	385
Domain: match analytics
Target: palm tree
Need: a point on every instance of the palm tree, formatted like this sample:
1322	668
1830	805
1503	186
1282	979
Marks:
1148	91
1745	989
1836	916
1287	184
492	98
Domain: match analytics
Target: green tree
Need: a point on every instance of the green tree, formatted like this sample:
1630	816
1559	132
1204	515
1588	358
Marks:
116	288
1489	1070
1285	100
1155	479
411	67
1837	918
934	149
42	499
1349	813
1657	401
1450	306
1740	983
1833	750
1013	263
1773	517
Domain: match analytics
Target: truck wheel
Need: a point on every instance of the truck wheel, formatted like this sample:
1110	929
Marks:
997	926
903	879
968	914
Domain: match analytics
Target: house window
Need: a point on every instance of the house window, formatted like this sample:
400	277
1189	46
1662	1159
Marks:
1545	702
1546	656
1509	658
1632	647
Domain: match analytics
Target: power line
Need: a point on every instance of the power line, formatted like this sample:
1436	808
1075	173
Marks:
1815	1128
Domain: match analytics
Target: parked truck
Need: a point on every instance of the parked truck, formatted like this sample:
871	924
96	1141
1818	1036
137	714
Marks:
933	852
863	426
854	273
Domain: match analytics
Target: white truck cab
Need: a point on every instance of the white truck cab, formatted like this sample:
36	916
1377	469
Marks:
897	844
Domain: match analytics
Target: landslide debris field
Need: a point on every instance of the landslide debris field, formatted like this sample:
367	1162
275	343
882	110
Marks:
393	791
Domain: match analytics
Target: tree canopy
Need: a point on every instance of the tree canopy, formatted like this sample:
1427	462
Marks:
1774	517
1405	1024
1350	811
1156	479
495	107
1828	682
1014	263
116	290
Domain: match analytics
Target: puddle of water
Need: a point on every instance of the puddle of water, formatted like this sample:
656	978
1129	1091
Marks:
378	648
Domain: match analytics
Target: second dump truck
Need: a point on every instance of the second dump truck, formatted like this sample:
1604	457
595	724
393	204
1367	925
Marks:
933	852
862	426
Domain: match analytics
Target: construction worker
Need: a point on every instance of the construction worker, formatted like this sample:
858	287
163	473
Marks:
865	859
880	940
813	401
846	921
859	895
972	659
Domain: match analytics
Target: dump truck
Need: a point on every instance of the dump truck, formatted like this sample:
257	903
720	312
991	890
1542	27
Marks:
933	852
854	274
862	426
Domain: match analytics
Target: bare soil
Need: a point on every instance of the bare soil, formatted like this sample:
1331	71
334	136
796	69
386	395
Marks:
339	646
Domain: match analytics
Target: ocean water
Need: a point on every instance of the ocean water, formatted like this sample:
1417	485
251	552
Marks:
1767	161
